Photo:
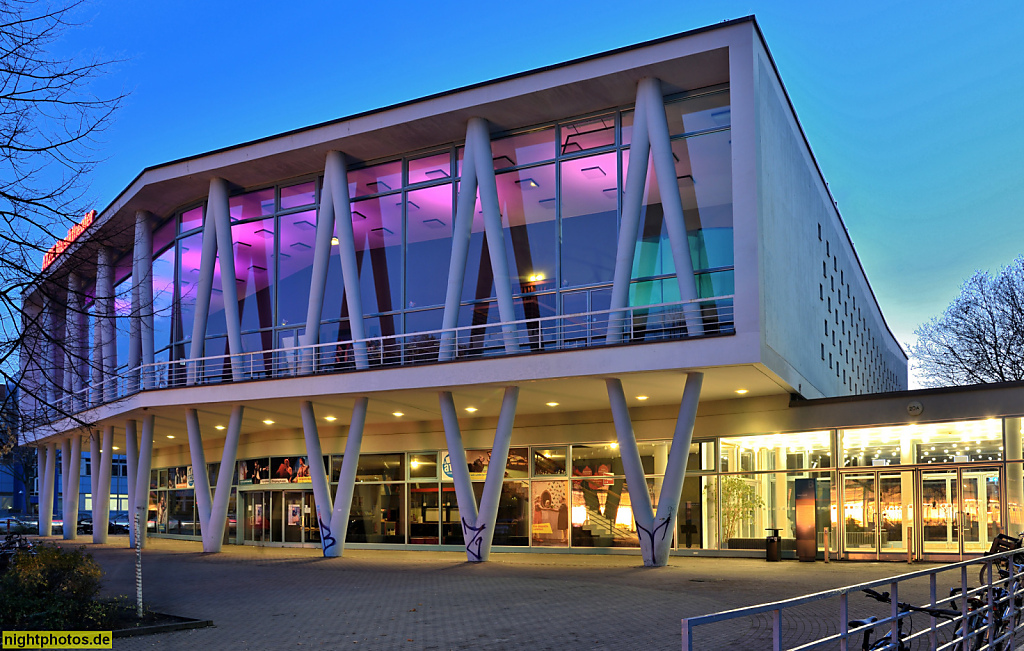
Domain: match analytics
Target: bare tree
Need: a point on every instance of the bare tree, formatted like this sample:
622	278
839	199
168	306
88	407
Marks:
49	122
979	338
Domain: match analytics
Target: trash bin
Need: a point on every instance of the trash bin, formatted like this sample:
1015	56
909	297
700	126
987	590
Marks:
773	546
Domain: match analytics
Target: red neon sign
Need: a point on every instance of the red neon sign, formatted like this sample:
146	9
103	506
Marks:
73	234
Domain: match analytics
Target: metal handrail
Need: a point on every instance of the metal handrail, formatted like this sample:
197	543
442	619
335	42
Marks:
1001	593
663	321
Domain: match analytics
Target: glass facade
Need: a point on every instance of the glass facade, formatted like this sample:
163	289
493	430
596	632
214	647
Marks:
576	495
559	190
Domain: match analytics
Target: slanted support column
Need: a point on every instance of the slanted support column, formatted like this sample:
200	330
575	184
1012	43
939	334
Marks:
318	477
105	340
100	464
655	529
131	453
218	208
47	458
335	220
478	526
74	340
142	476
334	531
95	445
478	174
65	472
204	289
54	354
74	476
650	139
213	508
141	320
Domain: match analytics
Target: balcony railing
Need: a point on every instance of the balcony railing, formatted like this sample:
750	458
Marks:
650	323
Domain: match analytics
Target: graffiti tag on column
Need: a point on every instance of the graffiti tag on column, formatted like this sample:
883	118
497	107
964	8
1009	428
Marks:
476	540
663	527
327	539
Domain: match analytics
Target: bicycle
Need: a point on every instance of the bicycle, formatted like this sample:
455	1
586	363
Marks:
904	608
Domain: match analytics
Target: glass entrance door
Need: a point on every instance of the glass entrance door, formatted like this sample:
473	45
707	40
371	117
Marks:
877	513
961	511
256	525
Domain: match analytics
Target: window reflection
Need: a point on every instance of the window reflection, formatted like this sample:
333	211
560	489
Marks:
588	133
428	244
589	198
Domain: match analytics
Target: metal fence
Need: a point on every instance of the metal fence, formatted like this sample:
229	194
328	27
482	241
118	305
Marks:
989	618
649	323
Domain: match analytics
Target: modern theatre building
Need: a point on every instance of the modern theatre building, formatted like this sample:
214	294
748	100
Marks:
608	304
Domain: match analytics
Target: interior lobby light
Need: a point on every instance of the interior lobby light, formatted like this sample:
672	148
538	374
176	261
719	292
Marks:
170	436
330	419
613	445
267	421
334	241
741	391
116	448
219	427
471	410
397	414
537	277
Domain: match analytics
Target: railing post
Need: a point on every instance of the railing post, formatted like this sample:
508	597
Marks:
990	605
933	640
895	611
844	621
777	630
963	605
687	636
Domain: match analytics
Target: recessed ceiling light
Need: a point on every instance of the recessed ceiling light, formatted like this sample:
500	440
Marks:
472	410
641	397
330	419
551	404
116	448
170	436
219	427
613	445
397	414
741	391
267	421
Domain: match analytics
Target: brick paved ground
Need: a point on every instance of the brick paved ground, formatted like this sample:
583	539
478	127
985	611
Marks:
273	598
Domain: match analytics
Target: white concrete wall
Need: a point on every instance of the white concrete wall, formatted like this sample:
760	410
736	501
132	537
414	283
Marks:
806	280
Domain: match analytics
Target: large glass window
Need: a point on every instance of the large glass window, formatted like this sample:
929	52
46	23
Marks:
429	217
589	202
961	442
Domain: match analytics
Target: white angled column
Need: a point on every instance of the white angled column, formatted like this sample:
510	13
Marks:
73	343
70	511
650	139
655	529
106	342
671	202
337	176
95	445
478	525
131	454
632	205
493	230
213	507
334	530
218	206
462	233
140	350
46	456
65	472
318	475
101	465
142	476
204	289
478	174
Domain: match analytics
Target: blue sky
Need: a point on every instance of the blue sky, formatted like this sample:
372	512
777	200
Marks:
913	110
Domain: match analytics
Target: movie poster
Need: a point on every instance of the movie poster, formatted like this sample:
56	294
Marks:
518	464
252	471
550	513
289	470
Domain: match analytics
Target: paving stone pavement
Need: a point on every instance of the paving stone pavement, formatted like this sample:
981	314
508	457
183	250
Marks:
287	598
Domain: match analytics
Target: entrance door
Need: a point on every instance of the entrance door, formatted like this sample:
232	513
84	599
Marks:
961	511
256	526
877	513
